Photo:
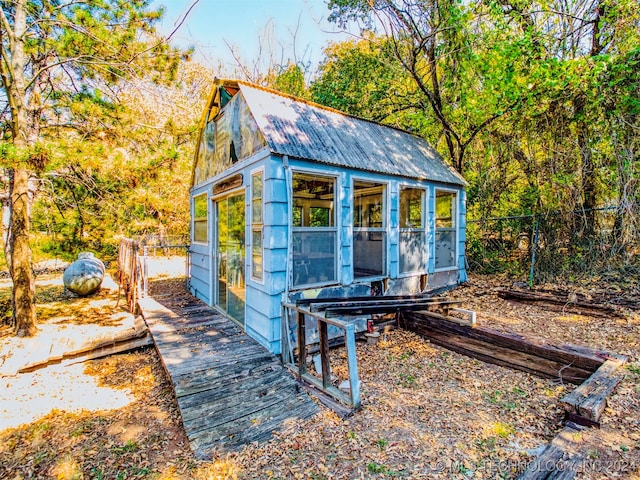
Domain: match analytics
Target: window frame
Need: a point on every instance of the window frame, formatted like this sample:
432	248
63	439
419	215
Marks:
204	219
257	227
383	229
332	228
422	229
454	228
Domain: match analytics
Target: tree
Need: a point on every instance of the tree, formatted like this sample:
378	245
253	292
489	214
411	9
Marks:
54	53
443	48
364	78
534	102
128	174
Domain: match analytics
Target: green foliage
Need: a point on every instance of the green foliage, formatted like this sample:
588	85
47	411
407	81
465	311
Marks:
540	112
111	128
374	467
290	80
362	78
131	179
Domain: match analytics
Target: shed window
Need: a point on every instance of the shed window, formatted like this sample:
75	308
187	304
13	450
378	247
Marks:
369	234
314	229
446	225
412	242
257	226
200	218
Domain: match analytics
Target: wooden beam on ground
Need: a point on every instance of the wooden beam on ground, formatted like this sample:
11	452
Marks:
589	400
125	341
559	304
560	460
565	362
328	401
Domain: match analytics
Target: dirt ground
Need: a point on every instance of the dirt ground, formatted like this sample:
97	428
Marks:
427	412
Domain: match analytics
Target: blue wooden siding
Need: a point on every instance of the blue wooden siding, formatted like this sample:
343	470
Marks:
200	258
264	297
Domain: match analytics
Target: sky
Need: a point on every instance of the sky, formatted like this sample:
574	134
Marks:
213	26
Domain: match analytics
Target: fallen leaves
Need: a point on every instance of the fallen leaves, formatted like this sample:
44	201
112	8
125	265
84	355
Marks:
427	413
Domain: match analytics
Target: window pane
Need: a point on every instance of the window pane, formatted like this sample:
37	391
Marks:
297	216
200	206
313	201
256	254
256	186
411	207
256	211
256	198
319	217
445	248
369	257
412	251
314	259
200	224
445	209
368	203
200	231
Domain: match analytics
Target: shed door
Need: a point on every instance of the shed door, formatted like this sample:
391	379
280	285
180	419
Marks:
230	245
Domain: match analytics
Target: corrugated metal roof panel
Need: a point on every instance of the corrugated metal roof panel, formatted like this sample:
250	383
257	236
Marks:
303	130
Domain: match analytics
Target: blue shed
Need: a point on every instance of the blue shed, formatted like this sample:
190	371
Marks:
291	199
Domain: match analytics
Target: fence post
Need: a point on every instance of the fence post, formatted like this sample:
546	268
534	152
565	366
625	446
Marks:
145	271
533	250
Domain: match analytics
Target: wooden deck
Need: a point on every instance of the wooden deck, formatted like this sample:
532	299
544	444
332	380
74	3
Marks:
230	389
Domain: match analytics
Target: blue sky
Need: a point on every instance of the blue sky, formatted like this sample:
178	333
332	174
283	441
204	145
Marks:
245	25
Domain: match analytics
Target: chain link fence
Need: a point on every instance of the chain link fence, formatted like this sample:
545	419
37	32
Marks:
555	245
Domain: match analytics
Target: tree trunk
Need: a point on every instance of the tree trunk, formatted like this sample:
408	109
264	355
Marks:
17	249
19	259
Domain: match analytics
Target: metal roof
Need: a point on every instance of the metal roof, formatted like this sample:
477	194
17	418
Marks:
301	129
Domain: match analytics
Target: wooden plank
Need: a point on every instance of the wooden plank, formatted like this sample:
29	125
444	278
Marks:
560	460
227	387
215	413
195	382
377	309
256	427
578	358
263	429
122	342
382	301
558	304
309	301
506	357
302	345
324	354
328	401
177	366
590	398
236	407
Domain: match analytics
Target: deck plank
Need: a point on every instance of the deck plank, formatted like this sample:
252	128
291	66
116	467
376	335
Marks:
229	388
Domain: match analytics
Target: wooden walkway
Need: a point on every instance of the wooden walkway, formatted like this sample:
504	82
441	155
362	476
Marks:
230	389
